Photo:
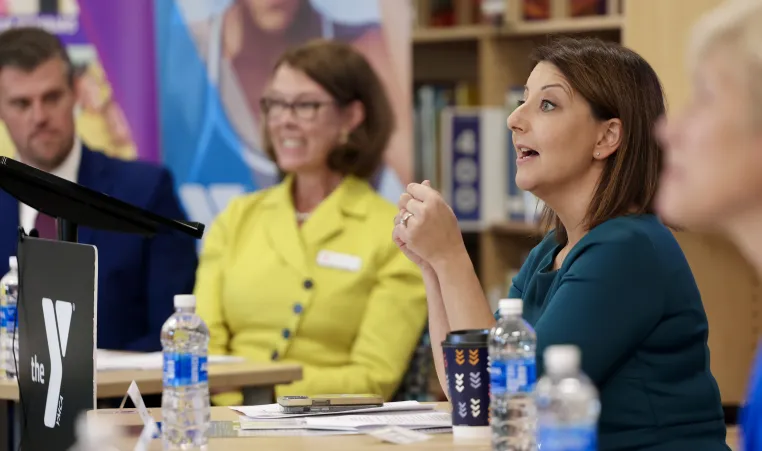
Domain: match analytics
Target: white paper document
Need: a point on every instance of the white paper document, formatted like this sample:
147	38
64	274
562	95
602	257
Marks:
353	423
290	433
276	411
252	424
114	360
422	422
418	420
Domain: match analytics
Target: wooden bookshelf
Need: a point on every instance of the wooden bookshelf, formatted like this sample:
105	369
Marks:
592	24
495	58
427	35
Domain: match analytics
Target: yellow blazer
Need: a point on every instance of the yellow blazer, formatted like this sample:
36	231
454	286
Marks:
335	295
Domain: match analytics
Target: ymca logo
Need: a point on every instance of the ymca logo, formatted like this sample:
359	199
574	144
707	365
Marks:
57	323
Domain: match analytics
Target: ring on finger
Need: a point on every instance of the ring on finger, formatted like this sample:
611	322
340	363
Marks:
405	217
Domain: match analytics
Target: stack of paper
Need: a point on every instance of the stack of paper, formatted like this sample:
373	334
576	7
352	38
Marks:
276	411
114	360
406	414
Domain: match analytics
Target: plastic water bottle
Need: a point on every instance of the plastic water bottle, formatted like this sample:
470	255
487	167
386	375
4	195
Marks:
567	403
185	399
9	292
512	344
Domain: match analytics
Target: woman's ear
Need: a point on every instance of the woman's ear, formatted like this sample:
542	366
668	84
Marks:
354	115
609	139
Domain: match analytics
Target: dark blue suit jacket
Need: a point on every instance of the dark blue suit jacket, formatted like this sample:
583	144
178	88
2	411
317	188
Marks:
137	276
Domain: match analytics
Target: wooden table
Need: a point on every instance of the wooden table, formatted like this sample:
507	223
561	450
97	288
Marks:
114	384
442	442
256	380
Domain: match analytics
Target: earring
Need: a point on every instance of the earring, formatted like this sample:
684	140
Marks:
597	154
343	137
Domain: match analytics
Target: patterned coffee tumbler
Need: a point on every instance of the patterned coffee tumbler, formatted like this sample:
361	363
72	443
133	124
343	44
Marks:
467	370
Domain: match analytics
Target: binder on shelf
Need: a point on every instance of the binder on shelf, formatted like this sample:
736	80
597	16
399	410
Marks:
479	169
473	164
58	298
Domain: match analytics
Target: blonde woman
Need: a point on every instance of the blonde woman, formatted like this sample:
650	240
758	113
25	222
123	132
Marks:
714	150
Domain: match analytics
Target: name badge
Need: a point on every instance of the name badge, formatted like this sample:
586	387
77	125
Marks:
336	260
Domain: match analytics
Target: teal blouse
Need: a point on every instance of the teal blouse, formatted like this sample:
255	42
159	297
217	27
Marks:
626	296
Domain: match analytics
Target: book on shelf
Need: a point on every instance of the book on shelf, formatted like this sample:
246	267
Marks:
429	100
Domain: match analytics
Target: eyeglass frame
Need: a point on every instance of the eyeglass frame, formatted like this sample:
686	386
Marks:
313	106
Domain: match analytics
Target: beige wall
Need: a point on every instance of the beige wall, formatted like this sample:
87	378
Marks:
659	30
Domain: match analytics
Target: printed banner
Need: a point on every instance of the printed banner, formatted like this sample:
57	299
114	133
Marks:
179	81
112	46
214	61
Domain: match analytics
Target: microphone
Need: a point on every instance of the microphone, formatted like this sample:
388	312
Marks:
34	233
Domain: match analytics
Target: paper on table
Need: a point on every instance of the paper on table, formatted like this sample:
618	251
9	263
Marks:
317	433
137	400
299	427
149	425
290	433
113	360
270	424
276	411
420	420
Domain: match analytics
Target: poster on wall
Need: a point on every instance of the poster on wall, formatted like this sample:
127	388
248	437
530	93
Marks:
214	61
116	108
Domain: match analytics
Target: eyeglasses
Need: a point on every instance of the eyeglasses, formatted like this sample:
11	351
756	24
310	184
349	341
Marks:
305	110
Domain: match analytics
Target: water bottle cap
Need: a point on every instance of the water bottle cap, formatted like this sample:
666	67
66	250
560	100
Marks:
185	301
562	359
13	263
511	306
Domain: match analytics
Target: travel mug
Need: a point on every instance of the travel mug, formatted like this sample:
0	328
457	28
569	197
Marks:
467	370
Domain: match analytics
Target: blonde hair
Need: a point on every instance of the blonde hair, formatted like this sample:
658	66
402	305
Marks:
735	26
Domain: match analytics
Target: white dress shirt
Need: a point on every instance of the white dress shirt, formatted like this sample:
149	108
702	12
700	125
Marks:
67	170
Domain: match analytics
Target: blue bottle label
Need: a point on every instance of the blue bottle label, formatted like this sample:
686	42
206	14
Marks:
512	376
567	438
10	318
2	317
182	369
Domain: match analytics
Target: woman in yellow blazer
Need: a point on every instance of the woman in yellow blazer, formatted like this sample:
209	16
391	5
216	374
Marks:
305	271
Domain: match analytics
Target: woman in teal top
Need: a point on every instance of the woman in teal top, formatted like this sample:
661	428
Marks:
626	296
609	278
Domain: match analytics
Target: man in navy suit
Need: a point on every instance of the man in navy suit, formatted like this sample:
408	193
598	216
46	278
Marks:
137	276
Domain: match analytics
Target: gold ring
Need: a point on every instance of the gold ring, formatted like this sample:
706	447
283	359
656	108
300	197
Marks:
404	219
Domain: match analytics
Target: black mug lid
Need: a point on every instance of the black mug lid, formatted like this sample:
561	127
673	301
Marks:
469	337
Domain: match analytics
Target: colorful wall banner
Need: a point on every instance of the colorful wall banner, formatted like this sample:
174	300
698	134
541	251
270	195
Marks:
215	58
179	81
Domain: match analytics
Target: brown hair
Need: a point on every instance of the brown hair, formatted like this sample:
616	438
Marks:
617	83
347	77
27	48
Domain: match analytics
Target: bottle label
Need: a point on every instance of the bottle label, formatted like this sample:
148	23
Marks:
512	376
181	369
2	317
10	318
571	438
